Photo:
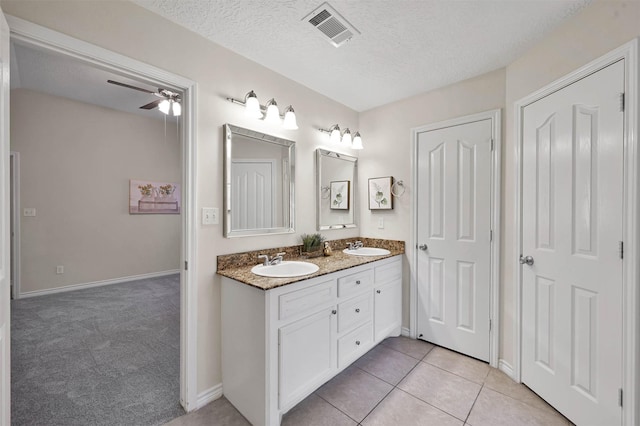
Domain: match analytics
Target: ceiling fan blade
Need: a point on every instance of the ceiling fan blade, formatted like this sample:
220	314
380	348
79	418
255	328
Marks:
152	105
128	86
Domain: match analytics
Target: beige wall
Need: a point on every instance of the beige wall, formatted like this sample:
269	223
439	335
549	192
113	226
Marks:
135	32
76	160
386	130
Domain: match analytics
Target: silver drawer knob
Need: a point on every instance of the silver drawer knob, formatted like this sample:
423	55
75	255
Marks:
358	282
357	310
378	291
358	342
334	312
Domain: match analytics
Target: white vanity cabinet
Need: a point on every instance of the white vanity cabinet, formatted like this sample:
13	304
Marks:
280	345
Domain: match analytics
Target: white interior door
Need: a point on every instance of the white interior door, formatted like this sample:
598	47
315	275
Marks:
454	225
253	182
5	261
572	199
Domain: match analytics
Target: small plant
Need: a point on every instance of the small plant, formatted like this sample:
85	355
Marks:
311	242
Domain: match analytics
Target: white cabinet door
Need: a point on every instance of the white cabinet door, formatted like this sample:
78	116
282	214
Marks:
307	355
387	308
572	202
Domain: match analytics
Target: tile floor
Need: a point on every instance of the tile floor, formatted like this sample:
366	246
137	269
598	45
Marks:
406	382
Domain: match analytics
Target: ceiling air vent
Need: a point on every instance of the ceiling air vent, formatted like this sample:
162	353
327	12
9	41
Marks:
331	24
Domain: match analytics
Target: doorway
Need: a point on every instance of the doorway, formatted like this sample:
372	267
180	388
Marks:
456	223
14	221
48	40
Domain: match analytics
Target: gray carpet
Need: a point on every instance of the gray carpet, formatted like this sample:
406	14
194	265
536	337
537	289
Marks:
101	356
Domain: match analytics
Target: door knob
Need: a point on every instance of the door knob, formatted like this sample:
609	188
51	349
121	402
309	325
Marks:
423	247
528	260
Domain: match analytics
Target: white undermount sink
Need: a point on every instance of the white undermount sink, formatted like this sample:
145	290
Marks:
367	251
285	269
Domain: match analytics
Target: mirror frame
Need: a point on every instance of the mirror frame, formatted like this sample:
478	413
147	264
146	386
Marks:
229	131
320	153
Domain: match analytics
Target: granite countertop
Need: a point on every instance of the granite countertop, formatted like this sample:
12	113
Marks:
338	261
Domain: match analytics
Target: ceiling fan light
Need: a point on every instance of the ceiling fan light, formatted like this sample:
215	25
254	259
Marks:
273	113
177	109
357	141
164	106
334	137
346	137
290	122
252	105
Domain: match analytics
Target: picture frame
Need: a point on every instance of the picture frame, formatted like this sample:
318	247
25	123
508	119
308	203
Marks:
380	197
149	197
340	195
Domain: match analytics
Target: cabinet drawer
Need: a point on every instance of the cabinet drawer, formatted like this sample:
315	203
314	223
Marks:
354	283
354	344
354	312
388	272
305	300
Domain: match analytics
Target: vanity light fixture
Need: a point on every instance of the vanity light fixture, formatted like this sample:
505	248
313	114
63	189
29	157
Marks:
290	122
270	112
337	137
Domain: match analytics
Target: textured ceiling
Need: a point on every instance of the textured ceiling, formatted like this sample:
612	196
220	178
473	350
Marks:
67	77
405	47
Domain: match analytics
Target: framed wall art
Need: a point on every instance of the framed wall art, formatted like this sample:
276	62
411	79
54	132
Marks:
147	197
380	193
340	195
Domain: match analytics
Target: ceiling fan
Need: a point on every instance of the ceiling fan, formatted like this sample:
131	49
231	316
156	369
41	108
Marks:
169	101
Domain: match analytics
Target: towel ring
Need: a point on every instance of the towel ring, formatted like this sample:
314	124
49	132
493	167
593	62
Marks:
398	188
325	192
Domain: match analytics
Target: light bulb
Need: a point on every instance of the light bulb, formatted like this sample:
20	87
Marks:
335	134
164	106
273	113
346	137
252	105
290	119
177	109
357	141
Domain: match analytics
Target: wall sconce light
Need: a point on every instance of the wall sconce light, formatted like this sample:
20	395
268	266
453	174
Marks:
345	138
270	112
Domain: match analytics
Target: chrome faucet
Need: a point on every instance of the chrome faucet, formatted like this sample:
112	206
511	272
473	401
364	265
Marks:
355	246
271	261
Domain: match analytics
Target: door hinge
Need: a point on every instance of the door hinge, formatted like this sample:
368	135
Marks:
490	235
622	102
492	145
620	397
186	265
490	325
621	248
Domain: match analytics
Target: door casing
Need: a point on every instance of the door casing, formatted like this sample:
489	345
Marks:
631	221
37	36
494	309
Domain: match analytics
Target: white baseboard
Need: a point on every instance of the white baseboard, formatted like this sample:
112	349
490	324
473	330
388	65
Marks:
405	332
506	368
96	284
209	395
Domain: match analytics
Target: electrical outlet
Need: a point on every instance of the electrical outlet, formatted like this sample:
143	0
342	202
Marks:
29	212
59	269
210	216
381	223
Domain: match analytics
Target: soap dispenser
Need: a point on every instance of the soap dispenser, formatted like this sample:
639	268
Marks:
327	249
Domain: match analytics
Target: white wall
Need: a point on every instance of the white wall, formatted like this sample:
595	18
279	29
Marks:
76	160
135	32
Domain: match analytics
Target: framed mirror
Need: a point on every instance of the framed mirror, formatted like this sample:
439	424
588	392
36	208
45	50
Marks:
258	183
336	183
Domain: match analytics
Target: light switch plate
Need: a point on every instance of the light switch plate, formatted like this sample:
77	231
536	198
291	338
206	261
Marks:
381	223
29	212
210	216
